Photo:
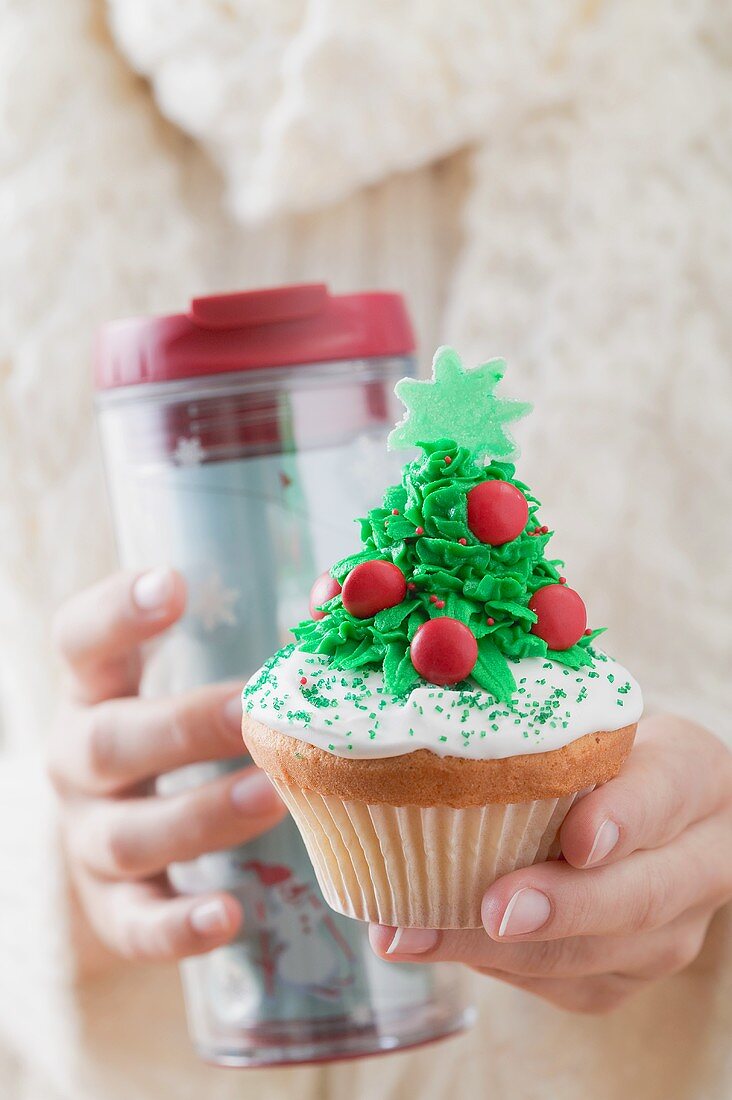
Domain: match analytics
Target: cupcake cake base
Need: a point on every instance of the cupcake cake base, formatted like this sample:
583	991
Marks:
416	840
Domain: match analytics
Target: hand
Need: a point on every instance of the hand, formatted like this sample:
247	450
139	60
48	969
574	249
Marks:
108	745
646	865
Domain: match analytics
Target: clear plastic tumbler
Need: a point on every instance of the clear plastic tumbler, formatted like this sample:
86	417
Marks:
240	440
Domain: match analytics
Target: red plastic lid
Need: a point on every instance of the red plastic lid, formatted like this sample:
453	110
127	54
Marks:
251	330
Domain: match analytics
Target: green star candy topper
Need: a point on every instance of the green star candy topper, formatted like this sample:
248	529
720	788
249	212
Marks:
458	404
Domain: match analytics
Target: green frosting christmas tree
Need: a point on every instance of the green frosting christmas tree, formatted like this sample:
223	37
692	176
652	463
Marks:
452	585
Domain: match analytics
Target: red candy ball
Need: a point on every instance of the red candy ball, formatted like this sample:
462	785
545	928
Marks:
497	512
562	615
324	589
373	586
444	651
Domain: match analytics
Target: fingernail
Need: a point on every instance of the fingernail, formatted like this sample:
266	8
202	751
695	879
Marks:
412	941
527	910
254	795
606	837
232	712
210	918
153	591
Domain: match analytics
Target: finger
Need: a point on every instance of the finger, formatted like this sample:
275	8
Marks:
676	774
641	892
98	631
112	746
649	954
675	946
145	922
139	837
472	947
589	996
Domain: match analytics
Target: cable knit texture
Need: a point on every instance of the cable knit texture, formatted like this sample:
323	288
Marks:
414	81
583	232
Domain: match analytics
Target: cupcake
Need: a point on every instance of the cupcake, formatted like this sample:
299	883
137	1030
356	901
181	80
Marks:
446	704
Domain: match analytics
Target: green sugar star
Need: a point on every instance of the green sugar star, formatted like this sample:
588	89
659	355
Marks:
458	404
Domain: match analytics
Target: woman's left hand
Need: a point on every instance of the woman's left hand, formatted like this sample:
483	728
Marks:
646	865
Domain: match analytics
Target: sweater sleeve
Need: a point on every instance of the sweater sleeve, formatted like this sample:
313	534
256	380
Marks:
38	963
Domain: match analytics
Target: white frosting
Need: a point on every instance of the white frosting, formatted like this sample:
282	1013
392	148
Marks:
349	714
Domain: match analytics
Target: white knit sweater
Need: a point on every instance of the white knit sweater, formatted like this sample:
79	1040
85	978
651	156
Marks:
580	225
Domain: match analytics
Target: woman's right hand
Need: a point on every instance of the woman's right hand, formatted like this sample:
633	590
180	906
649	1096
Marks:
107	746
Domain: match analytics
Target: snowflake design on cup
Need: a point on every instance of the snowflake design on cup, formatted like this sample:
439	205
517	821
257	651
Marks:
189	451
214	603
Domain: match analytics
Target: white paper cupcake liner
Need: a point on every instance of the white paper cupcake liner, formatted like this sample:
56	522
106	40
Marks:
420	867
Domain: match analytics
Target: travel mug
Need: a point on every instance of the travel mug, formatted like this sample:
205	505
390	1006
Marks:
241	438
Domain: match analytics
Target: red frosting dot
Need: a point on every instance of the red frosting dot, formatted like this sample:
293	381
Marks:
544	530
588	632
562	580
433	598
303	679
440	604
419	530
324	589
463	542
373	586
411	586
497	512
448	460
491	621
444	651
395	511
562	615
